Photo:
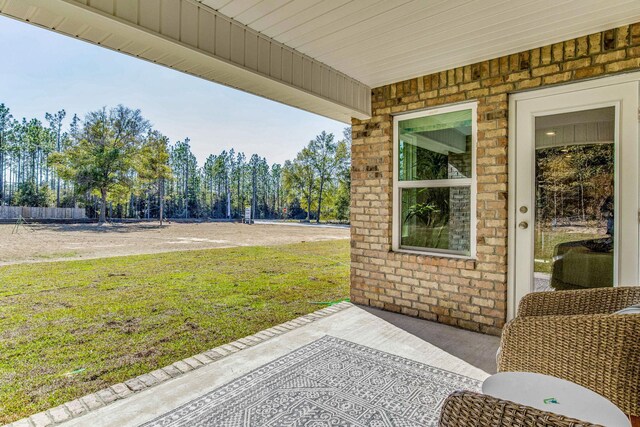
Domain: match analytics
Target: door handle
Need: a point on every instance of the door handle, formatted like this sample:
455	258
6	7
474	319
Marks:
523	225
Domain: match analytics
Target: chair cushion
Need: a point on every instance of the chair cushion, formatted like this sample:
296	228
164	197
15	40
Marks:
632	309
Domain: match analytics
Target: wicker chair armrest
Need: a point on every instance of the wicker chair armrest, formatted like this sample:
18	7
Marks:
584	301
600	352
468	409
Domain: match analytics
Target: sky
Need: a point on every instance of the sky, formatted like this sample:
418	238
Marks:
42	71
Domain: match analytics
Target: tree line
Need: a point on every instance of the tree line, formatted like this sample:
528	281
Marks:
575	182
116	165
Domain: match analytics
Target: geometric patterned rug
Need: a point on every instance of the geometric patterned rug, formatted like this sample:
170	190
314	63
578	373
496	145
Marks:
327	383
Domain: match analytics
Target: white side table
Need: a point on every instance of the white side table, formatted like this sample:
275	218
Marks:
555	395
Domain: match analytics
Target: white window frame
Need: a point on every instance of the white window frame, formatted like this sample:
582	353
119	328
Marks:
458	182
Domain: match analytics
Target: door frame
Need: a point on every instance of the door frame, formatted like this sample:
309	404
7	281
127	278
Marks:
514	98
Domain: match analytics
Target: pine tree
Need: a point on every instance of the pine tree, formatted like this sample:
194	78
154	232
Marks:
153	166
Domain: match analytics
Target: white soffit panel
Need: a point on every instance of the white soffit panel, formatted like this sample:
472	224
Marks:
189	36
379	42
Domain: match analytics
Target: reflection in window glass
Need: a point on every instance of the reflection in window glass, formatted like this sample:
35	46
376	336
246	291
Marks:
574	196
435	147
436	218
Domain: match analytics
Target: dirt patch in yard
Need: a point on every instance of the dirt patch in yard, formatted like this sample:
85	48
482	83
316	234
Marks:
56	242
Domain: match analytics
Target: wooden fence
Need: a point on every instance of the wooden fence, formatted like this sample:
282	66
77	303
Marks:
15	212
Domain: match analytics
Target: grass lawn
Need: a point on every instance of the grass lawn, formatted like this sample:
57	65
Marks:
112	319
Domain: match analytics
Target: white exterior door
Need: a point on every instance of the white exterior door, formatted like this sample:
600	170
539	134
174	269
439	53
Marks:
574	188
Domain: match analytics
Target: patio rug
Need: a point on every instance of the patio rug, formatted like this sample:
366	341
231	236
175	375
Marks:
329	382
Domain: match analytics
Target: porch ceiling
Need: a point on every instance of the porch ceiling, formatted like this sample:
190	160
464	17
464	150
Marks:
193	38
383	41
321	55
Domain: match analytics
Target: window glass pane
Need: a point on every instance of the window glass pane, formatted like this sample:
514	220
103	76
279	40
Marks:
435	147
436	218
574	199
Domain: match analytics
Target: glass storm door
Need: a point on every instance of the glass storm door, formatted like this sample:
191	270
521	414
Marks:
576	200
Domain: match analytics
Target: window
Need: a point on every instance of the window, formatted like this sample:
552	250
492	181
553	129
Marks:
434	181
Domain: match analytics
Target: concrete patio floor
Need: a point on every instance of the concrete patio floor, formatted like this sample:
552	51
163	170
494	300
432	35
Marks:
463	352
478	350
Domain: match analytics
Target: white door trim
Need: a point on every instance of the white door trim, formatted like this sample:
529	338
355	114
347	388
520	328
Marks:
511	213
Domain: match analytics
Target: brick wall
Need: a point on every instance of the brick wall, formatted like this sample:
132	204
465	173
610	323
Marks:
468	294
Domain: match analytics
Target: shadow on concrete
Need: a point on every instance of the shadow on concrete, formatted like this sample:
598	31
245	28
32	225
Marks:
476	349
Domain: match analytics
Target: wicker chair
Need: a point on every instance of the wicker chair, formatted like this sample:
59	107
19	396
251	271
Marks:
468	409
574	335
